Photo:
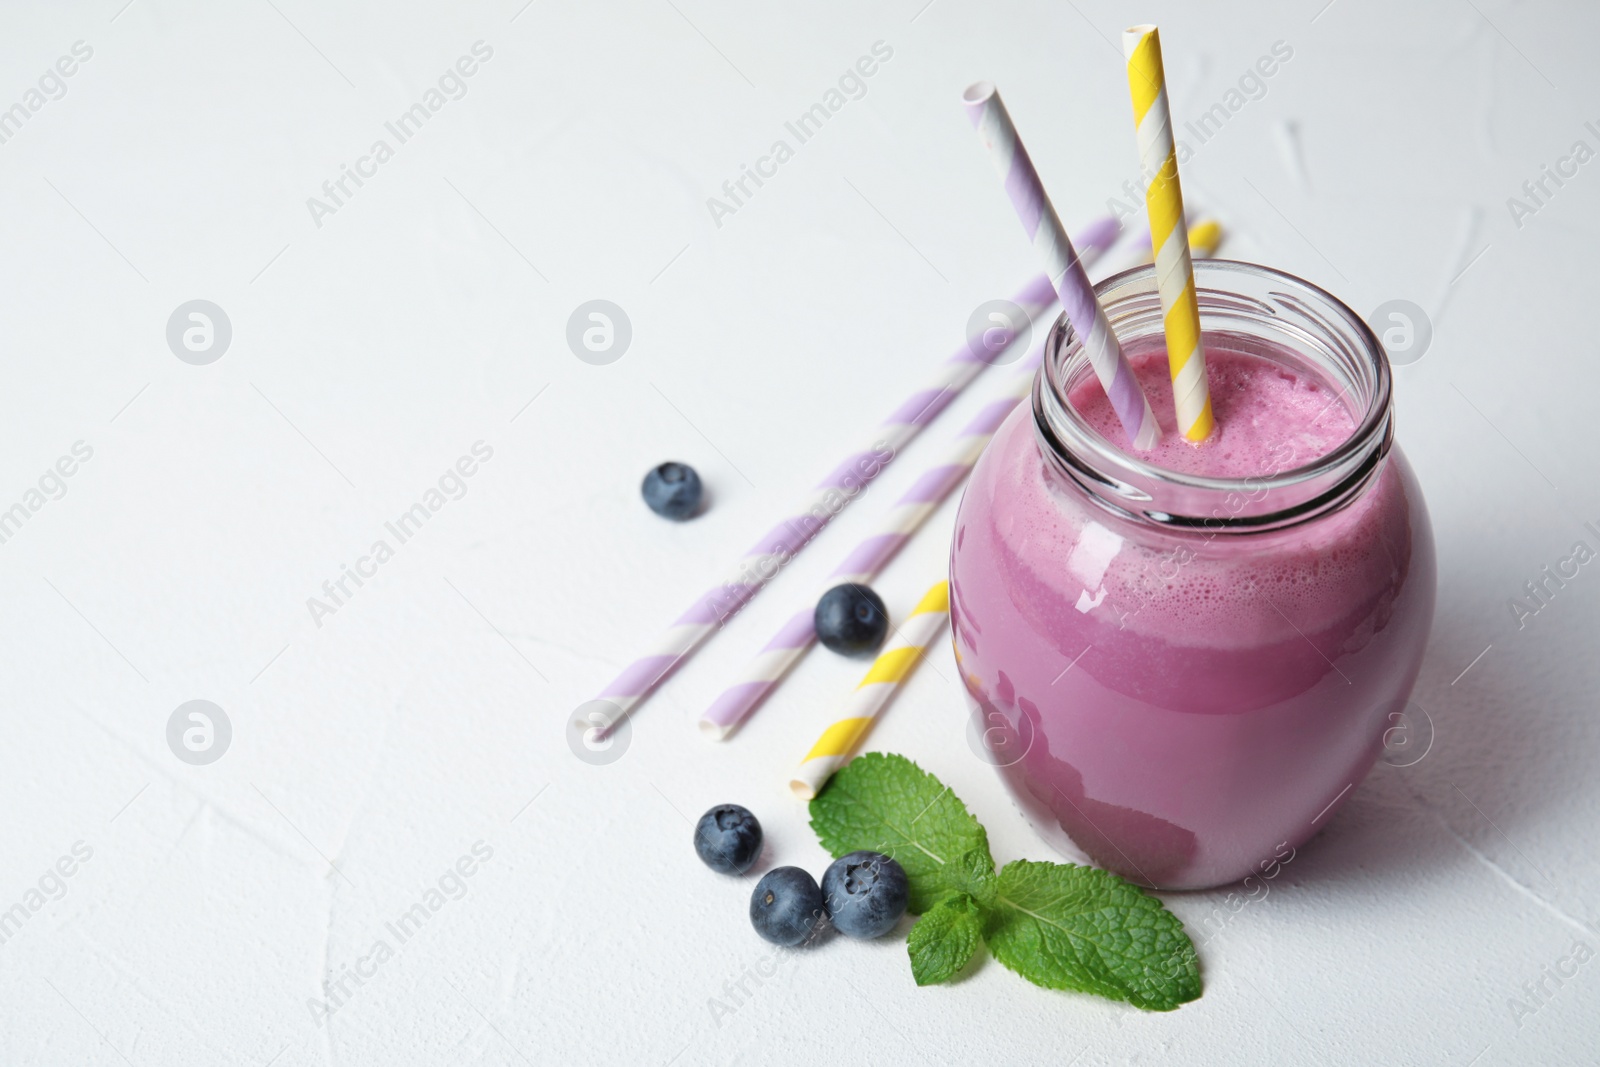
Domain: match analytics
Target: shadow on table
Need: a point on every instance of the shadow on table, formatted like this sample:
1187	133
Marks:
1503	762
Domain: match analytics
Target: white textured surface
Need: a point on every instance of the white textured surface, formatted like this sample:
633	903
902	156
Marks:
412	323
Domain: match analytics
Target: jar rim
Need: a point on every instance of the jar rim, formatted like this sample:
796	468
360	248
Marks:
1328	335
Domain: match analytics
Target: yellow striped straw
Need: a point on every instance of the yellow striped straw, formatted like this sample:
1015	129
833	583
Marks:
888	671
1169	237
1205	237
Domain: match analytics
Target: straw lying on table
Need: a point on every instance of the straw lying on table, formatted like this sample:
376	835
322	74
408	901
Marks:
1205	237
907	515
888	671
1061	263
1169	238
758	566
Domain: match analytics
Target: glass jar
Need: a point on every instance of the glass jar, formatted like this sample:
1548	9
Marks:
1180	677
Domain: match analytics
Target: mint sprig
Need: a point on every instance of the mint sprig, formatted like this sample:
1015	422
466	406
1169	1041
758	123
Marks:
1059	925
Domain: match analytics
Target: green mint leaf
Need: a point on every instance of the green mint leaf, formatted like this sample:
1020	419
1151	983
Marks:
972	873
886	803
944	939
1068	927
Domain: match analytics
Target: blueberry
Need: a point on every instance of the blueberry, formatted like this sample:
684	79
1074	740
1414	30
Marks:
728	838
851	619
786	906
865	893
672	490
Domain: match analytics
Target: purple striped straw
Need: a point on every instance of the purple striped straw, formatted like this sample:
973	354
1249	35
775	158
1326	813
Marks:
713	608
1061	263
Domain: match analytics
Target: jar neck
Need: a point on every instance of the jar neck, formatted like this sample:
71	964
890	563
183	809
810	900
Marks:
1243	308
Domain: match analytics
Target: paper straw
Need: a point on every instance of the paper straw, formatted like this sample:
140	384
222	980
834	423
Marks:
1169	237
764	559
769	666
888	671
1061	262
1205	237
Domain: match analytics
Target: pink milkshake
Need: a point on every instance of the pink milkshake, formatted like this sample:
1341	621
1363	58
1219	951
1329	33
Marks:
1184	660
